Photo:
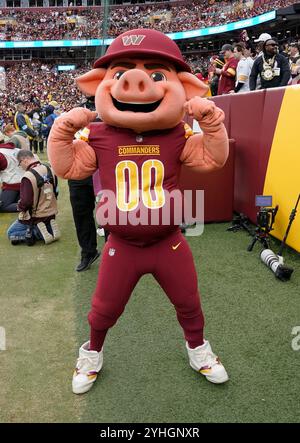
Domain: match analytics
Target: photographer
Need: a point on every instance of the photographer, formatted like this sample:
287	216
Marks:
37	204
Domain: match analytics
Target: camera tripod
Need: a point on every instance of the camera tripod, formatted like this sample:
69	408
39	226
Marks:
261	235
265	222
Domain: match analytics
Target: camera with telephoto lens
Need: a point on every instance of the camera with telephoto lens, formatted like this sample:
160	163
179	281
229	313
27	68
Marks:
281	271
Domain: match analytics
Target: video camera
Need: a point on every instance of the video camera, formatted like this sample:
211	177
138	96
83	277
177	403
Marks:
265	217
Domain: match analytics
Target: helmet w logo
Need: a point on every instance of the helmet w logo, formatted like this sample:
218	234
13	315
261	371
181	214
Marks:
135	40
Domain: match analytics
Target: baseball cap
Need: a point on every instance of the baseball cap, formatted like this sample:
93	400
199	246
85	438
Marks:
263	37
143	43
226	47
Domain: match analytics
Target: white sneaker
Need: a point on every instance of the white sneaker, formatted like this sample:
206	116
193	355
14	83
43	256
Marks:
47	237
55	229
101	232
203	360
88	365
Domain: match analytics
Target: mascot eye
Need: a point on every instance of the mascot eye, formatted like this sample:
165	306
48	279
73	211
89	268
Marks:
118	74
158	76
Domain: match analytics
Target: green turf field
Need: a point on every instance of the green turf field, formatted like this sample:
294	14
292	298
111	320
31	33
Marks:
146	377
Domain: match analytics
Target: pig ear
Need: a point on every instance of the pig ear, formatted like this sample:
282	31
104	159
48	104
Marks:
89	82
192	85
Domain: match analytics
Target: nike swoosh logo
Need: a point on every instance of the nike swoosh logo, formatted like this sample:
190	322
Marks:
176	246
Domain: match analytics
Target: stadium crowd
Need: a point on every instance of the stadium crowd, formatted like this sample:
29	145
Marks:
75	23
38	83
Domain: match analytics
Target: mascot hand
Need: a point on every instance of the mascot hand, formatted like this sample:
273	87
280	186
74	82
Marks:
199	108
78	118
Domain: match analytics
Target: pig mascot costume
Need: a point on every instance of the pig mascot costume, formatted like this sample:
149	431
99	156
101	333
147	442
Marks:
142	88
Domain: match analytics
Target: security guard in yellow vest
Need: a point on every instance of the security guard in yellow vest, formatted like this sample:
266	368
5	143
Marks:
22	121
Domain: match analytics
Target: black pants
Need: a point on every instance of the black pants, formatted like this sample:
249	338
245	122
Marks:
38	145
9	199
83	203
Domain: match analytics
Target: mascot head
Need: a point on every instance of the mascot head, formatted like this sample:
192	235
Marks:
142	82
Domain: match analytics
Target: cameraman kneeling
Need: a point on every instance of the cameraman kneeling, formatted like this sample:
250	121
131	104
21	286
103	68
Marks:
37	205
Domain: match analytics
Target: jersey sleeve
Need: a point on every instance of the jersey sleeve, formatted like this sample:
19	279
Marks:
207	151
71	159
243	72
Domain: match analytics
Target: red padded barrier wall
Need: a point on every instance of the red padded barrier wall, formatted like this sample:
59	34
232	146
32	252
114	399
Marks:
251	123
245	126
250	120
272	105
218	188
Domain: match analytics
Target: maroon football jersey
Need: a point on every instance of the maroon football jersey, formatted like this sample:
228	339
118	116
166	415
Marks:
137	173
227	79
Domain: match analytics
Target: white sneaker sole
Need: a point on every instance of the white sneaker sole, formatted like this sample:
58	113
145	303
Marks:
85	386
217	381
47	237
78	390
55	230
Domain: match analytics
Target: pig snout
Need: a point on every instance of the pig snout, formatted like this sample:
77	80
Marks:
136	86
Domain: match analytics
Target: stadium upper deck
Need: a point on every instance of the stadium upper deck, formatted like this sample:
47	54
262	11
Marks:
82	23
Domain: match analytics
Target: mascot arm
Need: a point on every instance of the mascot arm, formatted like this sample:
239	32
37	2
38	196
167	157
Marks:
209	150
71	159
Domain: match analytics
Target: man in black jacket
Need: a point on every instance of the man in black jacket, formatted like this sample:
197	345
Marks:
82	200
273	68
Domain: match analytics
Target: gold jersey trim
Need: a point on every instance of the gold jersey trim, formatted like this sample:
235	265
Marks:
231	71
188	131
82	134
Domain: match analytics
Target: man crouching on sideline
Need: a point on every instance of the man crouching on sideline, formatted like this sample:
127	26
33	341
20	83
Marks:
37	205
